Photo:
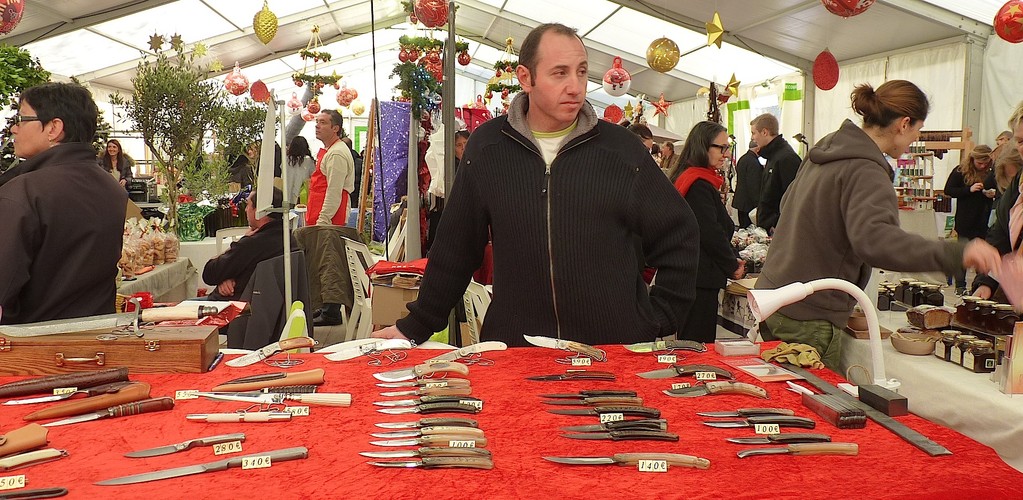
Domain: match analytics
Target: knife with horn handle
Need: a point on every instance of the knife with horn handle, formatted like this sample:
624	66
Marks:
632	460
133	391
567	345
781	420
685	371
185	445
88	391
252	416
633	411
49	383
714	388
805	449
427	382
256	382
422	370
668	345
469	350
746	412
429	451
274	348
785	438
623	435
434	440
429	408
430	422
590	394
431	391
597	401
645	424
145	406
426	400
469	432
28	459
441	463
275	456
575	375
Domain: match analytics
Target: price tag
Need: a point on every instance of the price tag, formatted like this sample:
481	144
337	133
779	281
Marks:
681	385
435	384
461	444
766	428
225	448
256	462
12	482
471	402
653	466
58	391
298	411
706	376
611	417
189	394
582	361
667	358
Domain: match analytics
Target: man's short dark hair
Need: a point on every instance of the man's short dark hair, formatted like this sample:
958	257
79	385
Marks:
70	102
641	130
335	120
528	53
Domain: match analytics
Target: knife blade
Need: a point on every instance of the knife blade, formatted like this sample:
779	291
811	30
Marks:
426	382
319	398
430	451
28	459
631	435
567	345
635	411
276	456
469	350
421	370
781	420
597	401
185	445
352	350
256	382
746	412
686	370
274	348
632	459
649	424
788	437
433	440
431	391
667	345
426	400
441	462
426	409
144	406
429	431
88	391
805	449
715	388
252	416
575	375
430	422
590	394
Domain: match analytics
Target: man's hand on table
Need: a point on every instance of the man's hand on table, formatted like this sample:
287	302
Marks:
390	332
226	288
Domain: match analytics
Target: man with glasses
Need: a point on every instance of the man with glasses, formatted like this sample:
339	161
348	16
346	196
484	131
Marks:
779	171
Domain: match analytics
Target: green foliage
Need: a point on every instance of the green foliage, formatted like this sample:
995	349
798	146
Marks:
207	179
18	71
239	123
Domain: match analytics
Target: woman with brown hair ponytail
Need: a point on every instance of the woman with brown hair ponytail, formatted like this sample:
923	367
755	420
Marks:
966	183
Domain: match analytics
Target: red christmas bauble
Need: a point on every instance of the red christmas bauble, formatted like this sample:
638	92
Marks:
825	70
464	58
10	15
236	83
259	92
613	113
617	80
313	106
413	19
307	116
433	56
403	55
498	73
413	54
1009	21
504	93
847	8
432	13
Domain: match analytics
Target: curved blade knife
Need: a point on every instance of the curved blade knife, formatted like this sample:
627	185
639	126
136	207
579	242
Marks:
185	445
362	348
632	460
274	348
567	345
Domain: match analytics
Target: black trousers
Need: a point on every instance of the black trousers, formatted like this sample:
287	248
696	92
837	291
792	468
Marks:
744	220
701	325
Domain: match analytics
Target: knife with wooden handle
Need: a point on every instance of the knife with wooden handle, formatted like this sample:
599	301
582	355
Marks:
124	410
134	391
805	449
633	460
256	382
440	463
435	440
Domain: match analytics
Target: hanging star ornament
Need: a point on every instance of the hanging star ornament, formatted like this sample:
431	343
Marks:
176	42
216	66
715	31
661	106
628	110
155	42
733	86
200	49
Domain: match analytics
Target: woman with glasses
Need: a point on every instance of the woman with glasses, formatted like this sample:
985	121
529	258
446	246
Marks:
62	218
697	178
973	188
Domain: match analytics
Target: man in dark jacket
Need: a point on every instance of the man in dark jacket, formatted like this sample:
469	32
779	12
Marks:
781	168
565	196
748	183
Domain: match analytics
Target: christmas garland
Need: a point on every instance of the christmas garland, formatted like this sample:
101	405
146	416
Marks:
506	65
501	87
418	87
316	56
316	82
424	44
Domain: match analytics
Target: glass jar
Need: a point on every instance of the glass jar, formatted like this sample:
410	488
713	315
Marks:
1004	320
933	295
962	315
979	356
885	296
960	345
1000	345
900	290
985	311
943	347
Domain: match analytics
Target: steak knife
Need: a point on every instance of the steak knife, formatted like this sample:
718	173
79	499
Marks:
426	400
746	412
185	445
429	408
265	352
648	424
430	422
785	438
805	449
431	391
441	463
635	411
429	431
434	440
632	459
427	382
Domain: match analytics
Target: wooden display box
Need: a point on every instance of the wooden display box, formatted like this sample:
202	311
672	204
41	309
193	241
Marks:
161	350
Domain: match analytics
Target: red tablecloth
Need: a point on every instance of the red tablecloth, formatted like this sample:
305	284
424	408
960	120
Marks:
520	432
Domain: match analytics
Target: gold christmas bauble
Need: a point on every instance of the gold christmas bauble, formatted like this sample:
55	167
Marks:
358	107
265	24
662	55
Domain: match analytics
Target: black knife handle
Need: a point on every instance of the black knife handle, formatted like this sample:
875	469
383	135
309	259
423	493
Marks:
799	437
782	420
635	411
144	406
447	422
643	435
588	375
445	399
40	493
429	408
106	388
642	424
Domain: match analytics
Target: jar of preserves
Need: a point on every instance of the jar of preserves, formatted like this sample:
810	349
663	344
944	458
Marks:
956	351
1004	320
985	311
962	315
979	356
932	295
943	347
918	293
900	290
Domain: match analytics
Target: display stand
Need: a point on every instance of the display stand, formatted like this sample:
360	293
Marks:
915	187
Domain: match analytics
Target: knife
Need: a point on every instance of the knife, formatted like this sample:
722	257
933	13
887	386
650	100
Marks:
34	494
590	394
635	411
746	412
133	391
469	350
597	401
265	352
632	459
429	408
430	422
426	400
346	352
441	462
637	435
469	432
251	416
430	451
786	438
319	398
718	388
28	459
275	457
805	449
426	382
421	370
644	424
185	445
668	345
144	406
434	440
686	370
256	382
431	391
781	420
575	375
88	391
567	345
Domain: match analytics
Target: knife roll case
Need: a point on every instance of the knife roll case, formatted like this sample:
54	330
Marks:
189	349
26	438
80	380
133	392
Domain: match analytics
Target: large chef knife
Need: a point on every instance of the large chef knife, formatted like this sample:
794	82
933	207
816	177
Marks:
275	457
429	431
430	422
360	347
781	420
567	345
491	345
265	352
441	462
430	451
686	370
805	449
186	445
88	391
668	345
144	406
421	370
632	459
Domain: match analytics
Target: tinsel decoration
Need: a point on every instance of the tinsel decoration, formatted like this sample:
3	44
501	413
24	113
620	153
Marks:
264	23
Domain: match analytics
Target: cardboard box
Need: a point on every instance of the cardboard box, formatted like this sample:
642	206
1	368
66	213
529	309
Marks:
389	302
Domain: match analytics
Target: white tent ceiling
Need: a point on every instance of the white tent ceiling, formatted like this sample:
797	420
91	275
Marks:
100	41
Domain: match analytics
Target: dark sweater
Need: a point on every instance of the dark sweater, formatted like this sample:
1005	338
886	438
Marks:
565	259
717	257
998	233
973	209
240	259
749	180
780	171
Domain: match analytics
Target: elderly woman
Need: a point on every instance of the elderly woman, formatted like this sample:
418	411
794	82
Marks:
698	181
116	162
973	190
60	239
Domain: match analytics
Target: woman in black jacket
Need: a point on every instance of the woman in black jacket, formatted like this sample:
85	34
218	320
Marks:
973	190
698	181
117	163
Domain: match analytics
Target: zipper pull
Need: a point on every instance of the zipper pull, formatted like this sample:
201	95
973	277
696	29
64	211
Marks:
546	179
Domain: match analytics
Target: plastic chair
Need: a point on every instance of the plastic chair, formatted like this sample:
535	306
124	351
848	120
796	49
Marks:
228	233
